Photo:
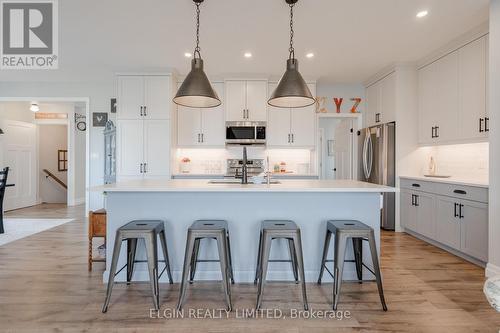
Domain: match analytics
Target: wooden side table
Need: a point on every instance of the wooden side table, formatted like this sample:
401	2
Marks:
97	228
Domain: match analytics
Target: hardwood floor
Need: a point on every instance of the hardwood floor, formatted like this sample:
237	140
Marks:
45	286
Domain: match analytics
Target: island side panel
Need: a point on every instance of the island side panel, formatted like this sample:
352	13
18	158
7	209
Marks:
244	211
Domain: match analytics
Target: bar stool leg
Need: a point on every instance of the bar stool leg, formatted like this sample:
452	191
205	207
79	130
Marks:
163	241
340	245
257	269
376	268
112	271
357	245
264	258
185	271
298	250
293	259
152	257
230	258
131	250
326	245
194	259
222	246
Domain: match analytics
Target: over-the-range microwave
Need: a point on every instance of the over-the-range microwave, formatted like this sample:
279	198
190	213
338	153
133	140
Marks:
246	132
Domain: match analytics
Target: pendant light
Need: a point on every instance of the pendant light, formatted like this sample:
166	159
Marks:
292	91
196	90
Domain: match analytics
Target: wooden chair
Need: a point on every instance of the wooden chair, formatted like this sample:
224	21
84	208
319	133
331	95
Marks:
97	228
3	183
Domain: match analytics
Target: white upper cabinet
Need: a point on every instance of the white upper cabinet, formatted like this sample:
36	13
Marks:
473	120
381	101
292	127
246	100
144	97
452	96
202	127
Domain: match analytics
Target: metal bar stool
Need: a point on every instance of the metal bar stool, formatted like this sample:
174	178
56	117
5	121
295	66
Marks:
149	231
213	229
274	229
358	232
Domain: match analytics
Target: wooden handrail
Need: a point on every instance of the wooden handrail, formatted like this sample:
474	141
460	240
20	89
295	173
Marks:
50	174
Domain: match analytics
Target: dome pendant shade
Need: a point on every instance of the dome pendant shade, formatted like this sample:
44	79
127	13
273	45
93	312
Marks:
292	91
196	90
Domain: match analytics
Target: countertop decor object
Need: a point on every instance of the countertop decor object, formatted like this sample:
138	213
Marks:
196	90
185	165
292	91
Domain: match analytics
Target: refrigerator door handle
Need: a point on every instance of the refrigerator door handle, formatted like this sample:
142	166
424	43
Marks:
367	154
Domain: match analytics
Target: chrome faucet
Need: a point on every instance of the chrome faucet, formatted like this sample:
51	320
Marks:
244	170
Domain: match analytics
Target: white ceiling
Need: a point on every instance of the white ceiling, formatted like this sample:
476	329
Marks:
352	39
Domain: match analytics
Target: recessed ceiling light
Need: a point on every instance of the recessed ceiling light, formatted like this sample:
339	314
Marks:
248	55
188	55
422	13
310	55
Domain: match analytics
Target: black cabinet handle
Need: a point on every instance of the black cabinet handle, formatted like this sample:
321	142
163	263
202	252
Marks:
455	212
416	200
459	192
437	131
432	133
145	113
486	124
142	114
413	199
460	211
415	185
377	117
141	168
481	125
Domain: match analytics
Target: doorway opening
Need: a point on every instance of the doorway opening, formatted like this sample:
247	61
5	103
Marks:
337	149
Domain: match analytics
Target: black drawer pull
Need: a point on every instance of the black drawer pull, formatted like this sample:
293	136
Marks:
415	185
459	192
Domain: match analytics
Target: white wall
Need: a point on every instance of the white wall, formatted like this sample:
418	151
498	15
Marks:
79	156
51	138
493	266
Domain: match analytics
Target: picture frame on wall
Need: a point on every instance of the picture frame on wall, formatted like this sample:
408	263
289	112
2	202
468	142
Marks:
99	119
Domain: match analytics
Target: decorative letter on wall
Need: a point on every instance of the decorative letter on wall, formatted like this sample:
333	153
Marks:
338	103
356	101
320	104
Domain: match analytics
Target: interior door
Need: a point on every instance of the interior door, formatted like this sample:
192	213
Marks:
156	97
130	97
342	144
188	126
213	126
130	141
447	222
235	100
20	156
157	148
256	100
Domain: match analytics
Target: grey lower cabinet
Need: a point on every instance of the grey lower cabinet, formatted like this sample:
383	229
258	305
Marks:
454	216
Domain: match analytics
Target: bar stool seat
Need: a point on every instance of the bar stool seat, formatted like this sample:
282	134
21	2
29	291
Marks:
358	232
275	229
211	229
148	230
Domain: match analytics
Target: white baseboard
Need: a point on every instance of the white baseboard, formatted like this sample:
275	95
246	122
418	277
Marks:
77	201
492	270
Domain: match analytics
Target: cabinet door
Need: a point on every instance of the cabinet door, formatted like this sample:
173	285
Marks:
256	100
425	215
130	97
235	100
472	89
158	97
408	211
474	229
388	99
188	126
157	148
372	104
278	133
130	145
303	125
447	224
213	127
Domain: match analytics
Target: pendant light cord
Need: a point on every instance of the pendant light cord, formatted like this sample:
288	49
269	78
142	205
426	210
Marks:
197	48
291	49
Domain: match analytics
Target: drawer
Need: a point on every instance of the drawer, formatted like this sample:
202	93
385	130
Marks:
417	185
473	193
97	224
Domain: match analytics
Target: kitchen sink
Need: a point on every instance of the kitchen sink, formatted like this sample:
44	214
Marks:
237	181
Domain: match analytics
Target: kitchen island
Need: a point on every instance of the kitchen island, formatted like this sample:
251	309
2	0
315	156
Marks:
310	203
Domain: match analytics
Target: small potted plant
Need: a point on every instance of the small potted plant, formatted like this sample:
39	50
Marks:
185	165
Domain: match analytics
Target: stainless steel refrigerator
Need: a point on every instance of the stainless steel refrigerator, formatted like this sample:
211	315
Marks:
376	158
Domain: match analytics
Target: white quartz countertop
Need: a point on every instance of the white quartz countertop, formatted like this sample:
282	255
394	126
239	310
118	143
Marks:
203	185
478	182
